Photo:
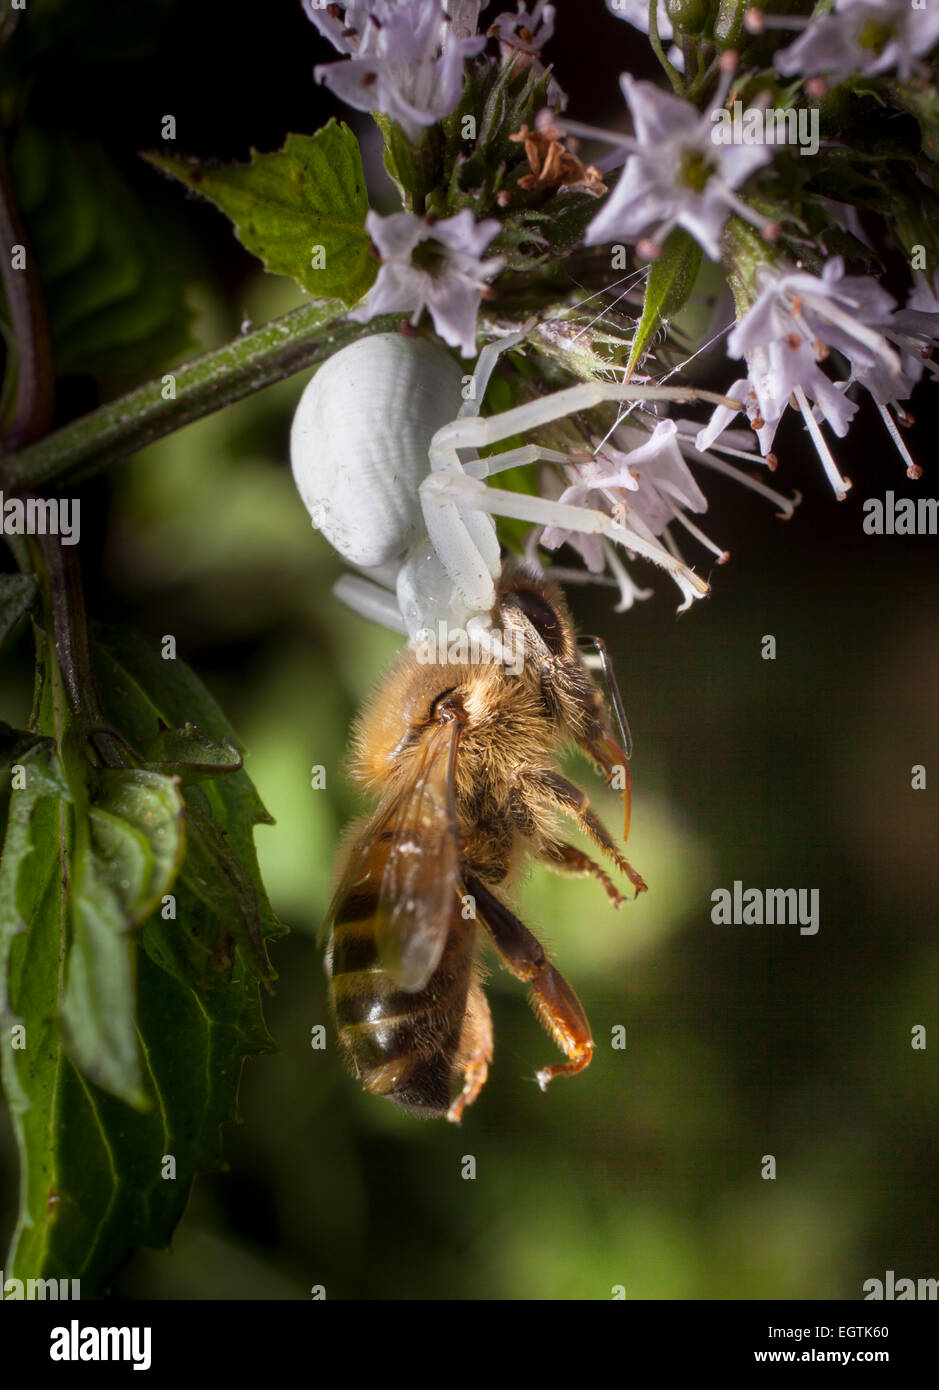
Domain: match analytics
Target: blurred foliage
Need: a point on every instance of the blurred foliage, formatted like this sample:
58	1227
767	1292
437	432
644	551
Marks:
740	1041
115	299
132	928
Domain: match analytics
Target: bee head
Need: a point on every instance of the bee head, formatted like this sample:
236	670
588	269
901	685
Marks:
528	602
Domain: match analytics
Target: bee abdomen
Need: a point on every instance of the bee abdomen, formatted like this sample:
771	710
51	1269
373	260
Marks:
402	1045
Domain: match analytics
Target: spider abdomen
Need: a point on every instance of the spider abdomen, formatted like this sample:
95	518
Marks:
360	439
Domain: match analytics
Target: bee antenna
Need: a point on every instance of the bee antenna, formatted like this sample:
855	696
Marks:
602	660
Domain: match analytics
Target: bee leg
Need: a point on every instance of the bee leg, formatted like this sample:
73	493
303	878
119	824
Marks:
597	741
613	763
554	1001
475	1051
558	792
567	859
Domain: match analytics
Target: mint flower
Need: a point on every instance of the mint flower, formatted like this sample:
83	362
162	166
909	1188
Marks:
526	32
647	466
862	36
793	325
641	480
523	35
675	174
432	265
636	13
405	56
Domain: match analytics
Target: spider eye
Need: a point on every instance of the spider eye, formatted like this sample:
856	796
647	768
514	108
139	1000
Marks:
542	615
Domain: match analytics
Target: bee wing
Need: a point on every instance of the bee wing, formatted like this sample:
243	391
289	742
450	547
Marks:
422	871
409	887
612	756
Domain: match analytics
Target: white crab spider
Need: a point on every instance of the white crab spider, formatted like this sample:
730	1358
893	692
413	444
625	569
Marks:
376	449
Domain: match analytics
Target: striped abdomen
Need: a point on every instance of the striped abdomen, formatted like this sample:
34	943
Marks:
402	1045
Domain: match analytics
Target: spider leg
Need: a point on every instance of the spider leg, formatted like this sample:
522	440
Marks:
464	537
464	541
457	491
472	431
370	601
485	363
512	458
458	508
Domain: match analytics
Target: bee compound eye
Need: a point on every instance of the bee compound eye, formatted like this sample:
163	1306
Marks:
441	707
542	615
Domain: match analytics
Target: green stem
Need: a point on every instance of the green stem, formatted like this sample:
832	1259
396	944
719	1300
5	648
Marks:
674	76
65	624
743	252
706	75
300	339
32	361
689	48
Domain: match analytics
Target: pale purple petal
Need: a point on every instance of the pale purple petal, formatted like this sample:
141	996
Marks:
588	547
395	236
721	416
657	115
463	233
738	162
406	56
454	306
451	291
656	190
398	289
838	45
636	12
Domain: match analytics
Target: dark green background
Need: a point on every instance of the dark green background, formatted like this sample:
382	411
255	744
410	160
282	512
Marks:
741	1041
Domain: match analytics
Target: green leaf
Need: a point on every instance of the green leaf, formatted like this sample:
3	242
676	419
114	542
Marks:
33	765
116	305
17	594
414	168
140	692
292	209
671	280
119	873
923	101
128	1000
225	888
192	755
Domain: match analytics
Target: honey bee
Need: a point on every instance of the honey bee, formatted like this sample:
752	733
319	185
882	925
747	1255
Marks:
464	755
